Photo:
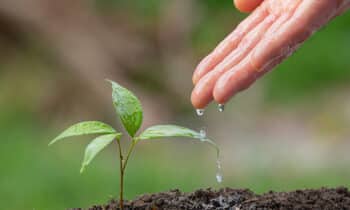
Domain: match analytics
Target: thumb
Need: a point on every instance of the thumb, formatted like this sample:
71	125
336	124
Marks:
247	5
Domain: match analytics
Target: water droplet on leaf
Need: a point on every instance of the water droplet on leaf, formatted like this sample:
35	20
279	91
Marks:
202	133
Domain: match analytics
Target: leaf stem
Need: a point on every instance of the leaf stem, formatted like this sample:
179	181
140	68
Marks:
121	168
131	148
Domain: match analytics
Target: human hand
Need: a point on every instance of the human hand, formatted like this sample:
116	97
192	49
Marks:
273	31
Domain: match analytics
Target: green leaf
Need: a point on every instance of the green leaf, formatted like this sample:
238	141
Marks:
164	131
128	107
96	146
83	128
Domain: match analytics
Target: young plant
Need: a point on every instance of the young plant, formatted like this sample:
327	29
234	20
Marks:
130	112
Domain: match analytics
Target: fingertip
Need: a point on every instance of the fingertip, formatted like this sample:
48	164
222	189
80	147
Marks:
247	5
228	85
202	94
196	102
234	81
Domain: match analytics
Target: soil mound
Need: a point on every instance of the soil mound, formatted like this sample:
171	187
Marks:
233	199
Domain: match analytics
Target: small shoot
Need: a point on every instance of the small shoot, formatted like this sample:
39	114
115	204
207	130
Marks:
129	110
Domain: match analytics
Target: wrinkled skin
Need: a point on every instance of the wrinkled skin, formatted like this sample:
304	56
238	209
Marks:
271	33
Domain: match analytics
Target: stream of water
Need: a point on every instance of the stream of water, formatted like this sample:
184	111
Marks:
203	134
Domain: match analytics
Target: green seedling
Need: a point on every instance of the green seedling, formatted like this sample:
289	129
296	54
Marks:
130	112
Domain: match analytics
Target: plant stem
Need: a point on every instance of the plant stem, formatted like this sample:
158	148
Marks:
122	166
131	148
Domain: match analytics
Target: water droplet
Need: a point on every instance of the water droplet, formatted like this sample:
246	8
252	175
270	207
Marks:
200	112
218	164
203	134
221	107
219	178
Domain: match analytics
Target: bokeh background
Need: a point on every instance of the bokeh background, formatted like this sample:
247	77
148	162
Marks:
290	130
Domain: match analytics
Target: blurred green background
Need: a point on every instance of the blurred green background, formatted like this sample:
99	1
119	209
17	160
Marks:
288	131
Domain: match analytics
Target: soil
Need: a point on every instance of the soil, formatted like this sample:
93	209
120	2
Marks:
233	199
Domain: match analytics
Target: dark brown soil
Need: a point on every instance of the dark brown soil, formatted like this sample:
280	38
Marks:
231	199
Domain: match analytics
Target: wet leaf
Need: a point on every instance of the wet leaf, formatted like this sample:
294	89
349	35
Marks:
128	107
96	146
84	128
165	131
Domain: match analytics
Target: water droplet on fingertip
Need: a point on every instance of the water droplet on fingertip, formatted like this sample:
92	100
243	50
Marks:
200	112
221	107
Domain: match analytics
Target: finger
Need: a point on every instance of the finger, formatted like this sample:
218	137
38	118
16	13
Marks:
271	50
232	81
228	44
247	5
242	75
203	91
304	22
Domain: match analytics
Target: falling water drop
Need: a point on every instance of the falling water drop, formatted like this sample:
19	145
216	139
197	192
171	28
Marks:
221	107
219	178
200	112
